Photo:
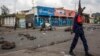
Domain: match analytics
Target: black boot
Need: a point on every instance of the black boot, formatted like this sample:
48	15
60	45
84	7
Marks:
71	53
88	54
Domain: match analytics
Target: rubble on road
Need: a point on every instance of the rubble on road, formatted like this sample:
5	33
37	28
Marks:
48	29
28	36
22	39
52	43
68	29
93	27
8	45
1	40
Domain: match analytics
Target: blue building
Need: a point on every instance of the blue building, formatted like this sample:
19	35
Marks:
43	14
52	15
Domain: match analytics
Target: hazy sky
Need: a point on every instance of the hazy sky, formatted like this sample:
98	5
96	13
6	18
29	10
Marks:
91	5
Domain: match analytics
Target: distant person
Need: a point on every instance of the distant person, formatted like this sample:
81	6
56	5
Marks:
15	26
48	26
43	26
79	32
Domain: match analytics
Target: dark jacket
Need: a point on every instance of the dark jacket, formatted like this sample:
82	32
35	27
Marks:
77	26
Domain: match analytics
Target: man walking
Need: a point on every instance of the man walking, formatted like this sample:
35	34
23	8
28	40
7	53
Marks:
78	30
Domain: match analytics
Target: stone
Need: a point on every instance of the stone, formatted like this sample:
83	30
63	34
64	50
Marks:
8	45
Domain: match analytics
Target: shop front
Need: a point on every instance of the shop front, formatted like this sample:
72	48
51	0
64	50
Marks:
43	14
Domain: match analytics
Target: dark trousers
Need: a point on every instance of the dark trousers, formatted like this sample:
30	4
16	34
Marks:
79	33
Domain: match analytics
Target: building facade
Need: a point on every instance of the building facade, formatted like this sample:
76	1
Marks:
37	16
55	16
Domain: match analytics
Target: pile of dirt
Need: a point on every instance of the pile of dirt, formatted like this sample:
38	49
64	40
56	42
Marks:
1	40
5	45
28	36
69	29
8	45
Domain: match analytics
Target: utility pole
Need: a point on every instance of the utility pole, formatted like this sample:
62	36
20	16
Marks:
75	5
90	13
15	24
15	6
33	9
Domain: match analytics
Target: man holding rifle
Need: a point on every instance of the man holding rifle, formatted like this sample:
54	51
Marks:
79	32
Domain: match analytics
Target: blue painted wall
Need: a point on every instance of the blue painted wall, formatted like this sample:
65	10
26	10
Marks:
38	21
69	22
54	22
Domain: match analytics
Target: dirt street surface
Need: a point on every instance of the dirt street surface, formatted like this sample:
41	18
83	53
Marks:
50	43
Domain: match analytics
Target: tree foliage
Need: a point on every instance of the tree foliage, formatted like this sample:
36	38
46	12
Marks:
4	10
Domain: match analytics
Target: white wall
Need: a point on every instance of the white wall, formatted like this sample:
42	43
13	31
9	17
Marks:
9	21
91	20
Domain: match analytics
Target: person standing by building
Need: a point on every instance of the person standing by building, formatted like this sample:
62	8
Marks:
79	32
15	26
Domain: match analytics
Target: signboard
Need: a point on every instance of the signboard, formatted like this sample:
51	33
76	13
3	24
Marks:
60	12
45	11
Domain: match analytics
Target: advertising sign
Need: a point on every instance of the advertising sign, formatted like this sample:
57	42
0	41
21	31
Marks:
45	11
60	12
